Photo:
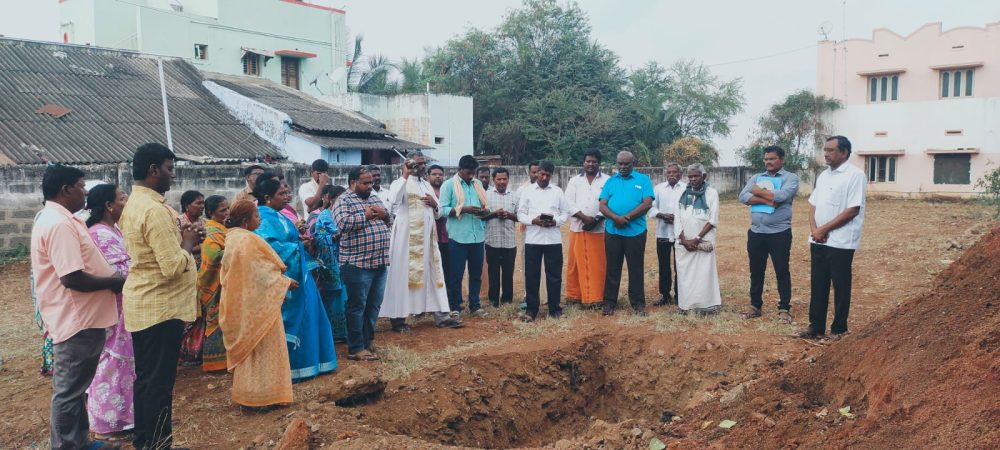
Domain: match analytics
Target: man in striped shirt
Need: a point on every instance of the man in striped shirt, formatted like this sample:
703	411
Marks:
501	242
364	255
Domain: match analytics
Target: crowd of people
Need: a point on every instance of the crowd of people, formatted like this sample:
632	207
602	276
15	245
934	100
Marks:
127	288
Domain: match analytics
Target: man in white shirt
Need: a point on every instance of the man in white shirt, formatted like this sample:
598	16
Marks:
377	189
665	196
543	208
836	213
532	176
586	262
310	193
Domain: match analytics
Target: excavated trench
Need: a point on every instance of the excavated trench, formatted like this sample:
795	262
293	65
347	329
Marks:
537	397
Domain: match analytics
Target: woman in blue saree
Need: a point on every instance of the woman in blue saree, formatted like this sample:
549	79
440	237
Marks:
326	244
307	328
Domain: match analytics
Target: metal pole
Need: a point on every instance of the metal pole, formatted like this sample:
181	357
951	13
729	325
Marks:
166	111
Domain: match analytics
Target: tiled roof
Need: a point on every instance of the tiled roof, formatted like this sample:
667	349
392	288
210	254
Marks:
114	102
308	114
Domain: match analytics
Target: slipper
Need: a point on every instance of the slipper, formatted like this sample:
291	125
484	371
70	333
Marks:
751	313
526	318
785	317
363	355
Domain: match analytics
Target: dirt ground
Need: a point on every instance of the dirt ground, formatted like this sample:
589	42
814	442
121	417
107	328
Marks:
583	381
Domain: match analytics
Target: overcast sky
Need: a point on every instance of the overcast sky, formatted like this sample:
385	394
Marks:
769	43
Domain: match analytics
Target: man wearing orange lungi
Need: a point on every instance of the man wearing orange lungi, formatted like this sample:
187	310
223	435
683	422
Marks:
586	262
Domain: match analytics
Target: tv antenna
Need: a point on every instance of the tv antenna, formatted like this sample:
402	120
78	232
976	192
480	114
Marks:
824	29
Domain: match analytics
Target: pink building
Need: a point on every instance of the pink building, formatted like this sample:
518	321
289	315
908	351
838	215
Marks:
922	111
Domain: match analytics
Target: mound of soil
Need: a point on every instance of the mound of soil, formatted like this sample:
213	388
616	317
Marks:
925	376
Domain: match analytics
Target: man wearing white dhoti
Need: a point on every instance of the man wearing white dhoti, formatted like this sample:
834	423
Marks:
695	218
415	282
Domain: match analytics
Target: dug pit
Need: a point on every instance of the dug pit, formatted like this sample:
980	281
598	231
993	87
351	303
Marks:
540	394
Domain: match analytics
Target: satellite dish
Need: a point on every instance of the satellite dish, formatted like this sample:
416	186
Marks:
176	5
824	29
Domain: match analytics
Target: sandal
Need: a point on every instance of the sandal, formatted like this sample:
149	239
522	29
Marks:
785	317
363	355
525	317
751	313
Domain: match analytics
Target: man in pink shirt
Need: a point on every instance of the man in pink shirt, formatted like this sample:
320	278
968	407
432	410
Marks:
76	288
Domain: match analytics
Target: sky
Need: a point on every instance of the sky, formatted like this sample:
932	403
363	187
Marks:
769	44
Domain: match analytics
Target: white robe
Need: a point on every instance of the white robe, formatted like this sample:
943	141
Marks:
400	300
697	272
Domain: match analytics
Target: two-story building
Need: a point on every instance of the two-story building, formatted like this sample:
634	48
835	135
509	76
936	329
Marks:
922	111
295	43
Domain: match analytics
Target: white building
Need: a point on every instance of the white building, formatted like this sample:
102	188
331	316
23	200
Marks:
441	121
922	111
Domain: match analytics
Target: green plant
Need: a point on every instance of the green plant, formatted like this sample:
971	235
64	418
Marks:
990	185
19	252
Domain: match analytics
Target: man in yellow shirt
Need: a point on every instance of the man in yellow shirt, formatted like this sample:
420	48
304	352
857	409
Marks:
159	295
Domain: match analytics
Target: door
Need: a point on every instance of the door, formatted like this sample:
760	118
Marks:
290	72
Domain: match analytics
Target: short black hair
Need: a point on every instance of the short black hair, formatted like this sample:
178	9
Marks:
58	176
96	198
843	143
482	169
355	173
374	168
593	152
146	155
320	165
266	188
435	167
333	190
250	169
212	203
533	163
468	162
776	150
188	197
547	166
500	170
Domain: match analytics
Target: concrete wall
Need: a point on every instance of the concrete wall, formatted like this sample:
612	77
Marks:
21	193
436	120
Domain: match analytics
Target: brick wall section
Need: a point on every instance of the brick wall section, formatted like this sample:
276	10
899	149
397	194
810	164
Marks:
21	191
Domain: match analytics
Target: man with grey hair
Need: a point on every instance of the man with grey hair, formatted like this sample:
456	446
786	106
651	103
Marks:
665	196
625	199
695	222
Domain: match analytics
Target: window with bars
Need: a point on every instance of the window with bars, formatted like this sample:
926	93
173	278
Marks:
251	64
883	88
957	83
881	169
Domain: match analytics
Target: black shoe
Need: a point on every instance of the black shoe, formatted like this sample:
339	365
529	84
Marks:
663	301
608	311
810	333
401	328
555	315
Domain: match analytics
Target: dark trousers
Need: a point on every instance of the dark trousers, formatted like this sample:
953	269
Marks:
830	265
75	365
778	246
445	262
533	256
462	255
156	350
365	289
664	247
632	251
500	267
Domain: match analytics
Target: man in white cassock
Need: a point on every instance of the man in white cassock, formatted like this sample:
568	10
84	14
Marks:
415	283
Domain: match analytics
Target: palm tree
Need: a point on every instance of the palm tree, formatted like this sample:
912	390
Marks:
373	78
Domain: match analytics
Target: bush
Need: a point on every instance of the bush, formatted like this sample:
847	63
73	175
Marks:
990	184
19	252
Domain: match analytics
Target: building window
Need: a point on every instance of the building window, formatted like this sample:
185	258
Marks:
439	140
883	88
251	64
957	83
290	72
200	51
881	169
953	169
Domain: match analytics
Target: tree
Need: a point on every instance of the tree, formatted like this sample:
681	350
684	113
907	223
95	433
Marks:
797	125
689	150
990	184
373	76
652	124
701	103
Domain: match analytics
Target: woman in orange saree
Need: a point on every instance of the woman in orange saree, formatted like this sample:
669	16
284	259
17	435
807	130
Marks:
253	289
213	356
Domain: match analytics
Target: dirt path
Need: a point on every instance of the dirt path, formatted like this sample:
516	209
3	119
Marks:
496	383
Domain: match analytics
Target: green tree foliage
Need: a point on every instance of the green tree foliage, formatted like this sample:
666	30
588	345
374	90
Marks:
689	150
990	185
797	125
700	102
369	74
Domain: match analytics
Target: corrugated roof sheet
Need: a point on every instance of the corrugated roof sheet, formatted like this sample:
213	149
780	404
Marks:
363	143
308	114
115	101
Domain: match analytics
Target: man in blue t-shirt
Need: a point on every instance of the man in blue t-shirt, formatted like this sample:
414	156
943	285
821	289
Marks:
624	201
